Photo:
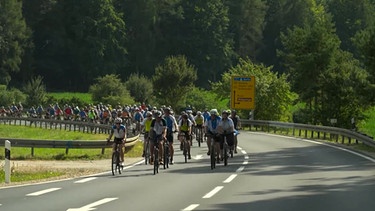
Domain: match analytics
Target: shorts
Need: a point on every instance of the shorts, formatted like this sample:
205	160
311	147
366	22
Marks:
170	136
118	140
146	135
157	138
230	140
199	126
215	137
186	134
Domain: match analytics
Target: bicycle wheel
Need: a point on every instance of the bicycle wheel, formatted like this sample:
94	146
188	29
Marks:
212	156
166	156
199	132
156	161
113	166
147	152
118	166
225	154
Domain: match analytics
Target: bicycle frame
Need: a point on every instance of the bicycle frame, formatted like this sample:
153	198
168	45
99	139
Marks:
115	165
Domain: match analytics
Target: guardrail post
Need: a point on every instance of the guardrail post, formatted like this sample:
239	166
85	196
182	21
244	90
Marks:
7	161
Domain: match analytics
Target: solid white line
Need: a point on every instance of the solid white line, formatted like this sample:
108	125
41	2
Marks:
191	207
85	180
213	192
230	178
245	162
240	169
246	157
243	152
38	193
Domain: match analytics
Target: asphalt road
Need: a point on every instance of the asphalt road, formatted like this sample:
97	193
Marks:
268	173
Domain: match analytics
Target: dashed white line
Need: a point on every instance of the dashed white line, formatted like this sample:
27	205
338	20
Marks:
191	207
246	157
38	193
230	178
245	162
243	152
239	148
213	192
240	169
85	180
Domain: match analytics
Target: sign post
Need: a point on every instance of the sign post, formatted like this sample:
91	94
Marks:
7	161
243	92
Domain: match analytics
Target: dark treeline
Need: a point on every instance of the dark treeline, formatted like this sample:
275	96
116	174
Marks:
70	43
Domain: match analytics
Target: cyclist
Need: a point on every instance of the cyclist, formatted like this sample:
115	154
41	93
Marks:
146	124
171	126
119	133
185	130
157	133
237	125
138	118
199	120
226	129
211	132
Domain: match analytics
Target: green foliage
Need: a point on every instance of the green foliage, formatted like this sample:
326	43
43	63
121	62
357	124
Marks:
365	42
110	90
8	97
70	98
35	91
173	80
272	93
202	99
140	88
14	37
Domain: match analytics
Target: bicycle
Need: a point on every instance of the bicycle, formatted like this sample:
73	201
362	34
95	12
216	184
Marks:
116	163
226	149
212	154
147	151
166	154
156	157
199	133
185	143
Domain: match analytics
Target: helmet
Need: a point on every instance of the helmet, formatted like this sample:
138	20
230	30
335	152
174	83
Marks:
189	111
214	111
149	113
225	112
118	121
234	111
157	114
199	113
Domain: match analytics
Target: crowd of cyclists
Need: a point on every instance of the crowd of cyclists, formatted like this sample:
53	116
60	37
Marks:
157	125
160	125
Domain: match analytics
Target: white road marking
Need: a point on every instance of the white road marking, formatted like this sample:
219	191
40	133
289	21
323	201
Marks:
213	192
92	205
38	193
245	162
239	148
243	152
198	157
85	180
230	178
191	207
246	157
240	169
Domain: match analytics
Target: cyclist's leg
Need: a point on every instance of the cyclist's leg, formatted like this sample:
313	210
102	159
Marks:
217	141
230	140
188	139
221	146
235	143
209	139
145	143
170	142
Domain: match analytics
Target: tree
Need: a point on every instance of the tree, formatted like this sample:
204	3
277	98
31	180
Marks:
14	37
205	39
140	88
109	89
272	93
247	20
12	96
35	91
365	42
172	80
85	40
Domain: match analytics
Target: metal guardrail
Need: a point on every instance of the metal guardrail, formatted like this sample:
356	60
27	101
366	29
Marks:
334	132
57	124
63	144
66	125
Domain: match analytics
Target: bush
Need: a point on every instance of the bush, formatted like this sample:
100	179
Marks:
8	97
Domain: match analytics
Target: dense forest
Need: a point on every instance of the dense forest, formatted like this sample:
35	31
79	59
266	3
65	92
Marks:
325	49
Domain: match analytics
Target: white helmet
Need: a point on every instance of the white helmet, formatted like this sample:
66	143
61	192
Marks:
118	120
214	111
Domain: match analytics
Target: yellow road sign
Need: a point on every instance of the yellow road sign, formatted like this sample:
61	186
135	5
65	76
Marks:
242	92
